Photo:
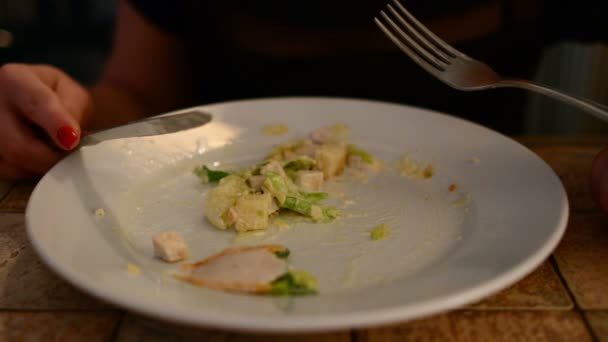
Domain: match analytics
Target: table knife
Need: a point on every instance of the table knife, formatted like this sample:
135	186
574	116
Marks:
157	125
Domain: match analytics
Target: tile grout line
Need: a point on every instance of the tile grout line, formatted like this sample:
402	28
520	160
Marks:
118	326
588	325
354	335
577	308
563	280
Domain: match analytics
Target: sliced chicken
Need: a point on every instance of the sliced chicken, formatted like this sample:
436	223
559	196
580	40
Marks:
249	269
309	180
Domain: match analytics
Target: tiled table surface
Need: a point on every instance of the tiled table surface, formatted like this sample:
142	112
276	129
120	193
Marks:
565	299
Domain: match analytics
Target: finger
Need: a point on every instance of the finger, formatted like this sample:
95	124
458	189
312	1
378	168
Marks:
599	179
26	92
72	95
22	147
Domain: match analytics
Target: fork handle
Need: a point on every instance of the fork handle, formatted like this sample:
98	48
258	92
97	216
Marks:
598	110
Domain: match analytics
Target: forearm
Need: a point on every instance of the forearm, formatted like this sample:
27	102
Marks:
114	104
147	73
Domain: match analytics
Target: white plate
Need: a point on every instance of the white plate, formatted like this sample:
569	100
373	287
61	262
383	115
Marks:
446	249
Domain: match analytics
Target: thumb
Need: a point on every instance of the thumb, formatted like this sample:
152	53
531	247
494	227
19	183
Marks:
35	98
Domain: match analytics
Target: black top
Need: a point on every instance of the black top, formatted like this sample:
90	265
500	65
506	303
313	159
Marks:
243	49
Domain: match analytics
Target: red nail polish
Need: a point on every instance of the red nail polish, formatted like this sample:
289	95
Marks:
67	137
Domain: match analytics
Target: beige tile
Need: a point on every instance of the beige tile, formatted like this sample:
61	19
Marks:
573	166
581	258
541	290
484	326
16	199
598	320
58	326
25	282
137	328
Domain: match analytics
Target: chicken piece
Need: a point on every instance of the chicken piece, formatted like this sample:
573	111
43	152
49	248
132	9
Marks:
242	269
316	213
306	148
170	247
252	212
256	182
273	166
309	180
274	206
331	159
230	217
320	135
222	197
332	134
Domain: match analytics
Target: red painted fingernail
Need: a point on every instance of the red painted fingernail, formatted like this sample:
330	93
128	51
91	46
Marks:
67	137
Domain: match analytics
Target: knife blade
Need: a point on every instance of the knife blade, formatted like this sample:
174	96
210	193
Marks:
150	126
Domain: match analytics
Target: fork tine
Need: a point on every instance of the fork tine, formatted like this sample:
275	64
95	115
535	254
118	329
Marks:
414	48
444	57
447	48
408	51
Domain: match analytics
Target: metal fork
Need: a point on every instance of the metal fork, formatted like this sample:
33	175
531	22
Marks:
454	67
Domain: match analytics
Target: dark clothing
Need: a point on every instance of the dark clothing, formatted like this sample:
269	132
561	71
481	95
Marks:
226	70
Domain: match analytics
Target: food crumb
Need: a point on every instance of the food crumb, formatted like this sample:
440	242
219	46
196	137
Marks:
410	168
275	129
407	167
169	246
452	187
380	232
281	224
462	202
100	212
428	172
133	269
348	201
475	161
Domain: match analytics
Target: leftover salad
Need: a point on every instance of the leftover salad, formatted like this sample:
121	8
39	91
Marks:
289	179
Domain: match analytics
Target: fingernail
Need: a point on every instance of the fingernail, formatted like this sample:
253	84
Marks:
67	137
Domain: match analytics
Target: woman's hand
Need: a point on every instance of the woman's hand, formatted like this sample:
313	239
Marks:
40	113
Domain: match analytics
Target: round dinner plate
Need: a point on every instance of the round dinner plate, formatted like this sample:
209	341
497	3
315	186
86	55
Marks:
492	212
